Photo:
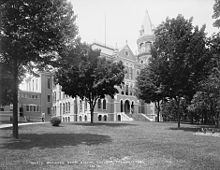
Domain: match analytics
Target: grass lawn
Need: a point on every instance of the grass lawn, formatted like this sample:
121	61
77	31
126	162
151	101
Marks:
111	146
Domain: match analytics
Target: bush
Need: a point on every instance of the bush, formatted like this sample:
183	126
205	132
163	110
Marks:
55	121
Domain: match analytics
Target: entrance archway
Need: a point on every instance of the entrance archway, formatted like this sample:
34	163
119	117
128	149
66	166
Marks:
127	107
119	118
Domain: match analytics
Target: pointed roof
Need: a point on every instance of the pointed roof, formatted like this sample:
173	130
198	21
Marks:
147	26
127	53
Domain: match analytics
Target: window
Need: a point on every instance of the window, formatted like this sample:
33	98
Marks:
104	104
121	106
27	108
60	108
126	90
126	53
48	111
38	109
85	105
31	108
33	85
99	104
63	108
36	84
48	83
48	98
80	106
69	106
34	108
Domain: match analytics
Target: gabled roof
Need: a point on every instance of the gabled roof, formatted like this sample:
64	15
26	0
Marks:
126	53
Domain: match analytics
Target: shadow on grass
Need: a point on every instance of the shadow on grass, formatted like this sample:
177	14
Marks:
28	141
112	124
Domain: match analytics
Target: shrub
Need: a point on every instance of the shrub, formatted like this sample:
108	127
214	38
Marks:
55	121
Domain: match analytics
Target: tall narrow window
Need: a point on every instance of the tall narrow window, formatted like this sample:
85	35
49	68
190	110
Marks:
80	106
60	108
48	111
126	92
99	104
85	105
63	108
36	84
48	98
104	104
121	106
48	83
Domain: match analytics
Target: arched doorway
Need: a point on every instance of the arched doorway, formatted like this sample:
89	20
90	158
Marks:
127	107
119	118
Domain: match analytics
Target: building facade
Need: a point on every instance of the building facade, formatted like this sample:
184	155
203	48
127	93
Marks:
125	102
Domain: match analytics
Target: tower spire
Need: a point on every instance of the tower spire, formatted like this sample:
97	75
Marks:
146	26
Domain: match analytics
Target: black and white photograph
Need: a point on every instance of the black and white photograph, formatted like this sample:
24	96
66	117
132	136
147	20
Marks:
109	84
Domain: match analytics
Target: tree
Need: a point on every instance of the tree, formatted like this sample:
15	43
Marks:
149	87
33	34
92	76
216	14
182	57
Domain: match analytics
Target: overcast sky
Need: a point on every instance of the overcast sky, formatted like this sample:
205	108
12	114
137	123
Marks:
124	17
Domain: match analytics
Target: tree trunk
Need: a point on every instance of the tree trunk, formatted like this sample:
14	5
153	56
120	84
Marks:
191	113
91	112
15	103
158	111
217	120
178	111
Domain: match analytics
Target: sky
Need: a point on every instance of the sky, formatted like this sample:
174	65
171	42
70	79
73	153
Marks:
118	21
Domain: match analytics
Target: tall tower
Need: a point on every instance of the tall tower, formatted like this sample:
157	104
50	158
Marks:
145	40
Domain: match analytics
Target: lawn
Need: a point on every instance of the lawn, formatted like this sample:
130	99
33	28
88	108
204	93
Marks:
111	146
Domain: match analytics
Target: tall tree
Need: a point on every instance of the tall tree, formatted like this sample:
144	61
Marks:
92	76
182	58
149	87
33	34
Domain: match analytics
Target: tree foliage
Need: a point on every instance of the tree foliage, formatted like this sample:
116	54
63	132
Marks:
182	57
148	85
216	14
87	75
33	34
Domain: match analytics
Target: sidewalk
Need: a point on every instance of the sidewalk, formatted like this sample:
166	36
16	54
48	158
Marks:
20	124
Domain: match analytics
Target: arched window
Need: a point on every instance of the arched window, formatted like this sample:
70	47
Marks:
60	108
104	104
100	118
105	118
85	118
99	104
69	106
